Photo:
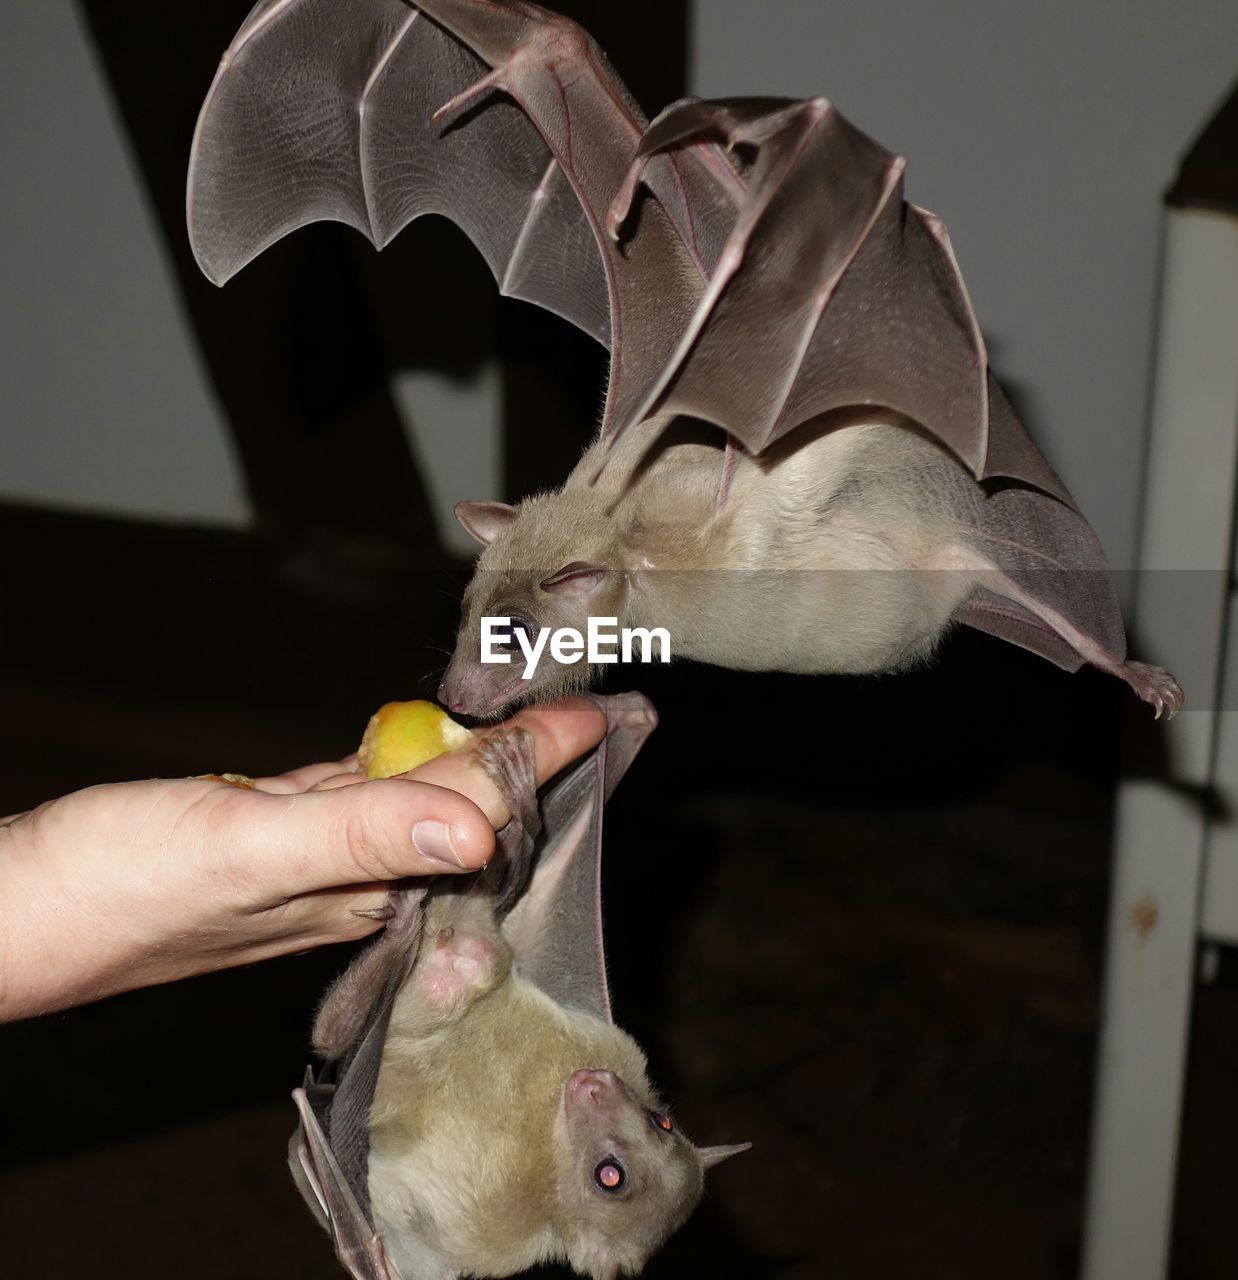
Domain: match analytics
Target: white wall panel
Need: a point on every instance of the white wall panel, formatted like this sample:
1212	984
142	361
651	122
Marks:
103	402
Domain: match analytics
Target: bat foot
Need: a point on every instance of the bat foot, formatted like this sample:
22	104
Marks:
405	909
1155	686
506	756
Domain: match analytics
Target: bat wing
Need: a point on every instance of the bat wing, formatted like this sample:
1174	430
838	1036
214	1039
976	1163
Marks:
1050	589
497	114
555	928
831	291
332	1197
322	109
329	1152
722	300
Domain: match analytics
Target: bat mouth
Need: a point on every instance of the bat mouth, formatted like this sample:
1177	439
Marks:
462	705
498	700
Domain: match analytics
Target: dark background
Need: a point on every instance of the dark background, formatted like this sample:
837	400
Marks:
858	922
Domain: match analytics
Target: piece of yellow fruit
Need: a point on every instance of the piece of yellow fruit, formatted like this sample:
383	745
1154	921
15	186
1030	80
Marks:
403	735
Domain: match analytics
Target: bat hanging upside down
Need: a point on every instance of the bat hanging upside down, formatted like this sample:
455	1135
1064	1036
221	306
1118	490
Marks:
804	463
487	1115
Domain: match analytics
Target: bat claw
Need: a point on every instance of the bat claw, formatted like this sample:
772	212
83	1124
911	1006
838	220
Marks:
683	121
491	80
382	914
621	206
506	757
1155	686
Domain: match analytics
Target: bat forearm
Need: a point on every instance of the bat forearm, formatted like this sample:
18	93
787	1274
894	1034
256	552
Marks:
345	1008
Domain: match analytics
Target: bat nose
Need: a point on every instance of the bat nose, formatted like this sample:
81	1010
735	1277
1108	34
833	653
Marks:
451	698
590	1085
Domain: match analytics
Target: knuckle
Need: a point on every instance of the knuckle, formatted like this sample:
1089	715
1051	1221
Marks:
366	840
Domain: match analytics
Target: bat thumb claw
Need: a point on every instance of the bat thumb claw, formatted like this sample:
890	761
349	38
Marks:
492	80
376	913
621	206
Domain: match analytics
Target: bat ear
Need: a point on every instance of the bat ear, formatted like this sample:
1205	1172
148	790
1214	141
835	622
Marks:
576	578
710	1156
484	520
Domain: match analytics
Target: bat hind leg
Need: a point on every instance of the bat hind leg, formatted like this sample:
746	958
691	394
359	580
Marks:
345	1009
507	758
1154	685
728	474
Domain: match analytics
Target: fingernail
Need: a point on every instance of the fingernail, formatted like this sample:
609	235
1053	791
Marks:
433	840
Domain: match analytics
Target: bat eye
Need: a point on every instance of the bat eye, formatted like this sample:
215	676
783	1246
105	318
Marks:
660	1120
609	1175
505	637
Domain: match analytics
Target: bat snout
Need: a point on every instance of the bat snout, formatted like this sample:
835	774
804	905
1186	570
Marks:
452	698
592	1089
473	689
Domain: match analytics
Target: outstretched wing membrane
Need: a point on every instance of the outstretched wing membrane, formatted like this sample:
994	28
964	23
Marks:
497	114
855	294
757	295
323	110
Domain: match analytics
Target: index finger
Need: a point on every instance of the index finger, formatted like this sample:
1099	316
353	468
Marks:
307	777
562	732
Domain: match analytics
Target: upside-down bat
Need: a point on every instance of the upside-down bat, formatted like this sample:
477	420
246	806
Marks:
485	1114
870	484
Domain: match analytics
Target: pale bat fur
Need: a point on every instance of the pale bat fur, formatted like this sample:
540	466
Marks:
495	1106
862	519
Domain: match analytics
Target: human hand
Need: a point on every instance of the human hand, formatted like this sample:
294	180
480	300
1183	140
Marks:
136	883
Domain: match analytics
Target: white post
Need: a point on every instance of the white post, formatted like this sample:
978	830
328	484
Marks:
1161	832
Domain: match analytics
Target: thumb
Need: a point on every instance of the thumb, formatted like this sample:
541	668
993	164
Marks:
285	845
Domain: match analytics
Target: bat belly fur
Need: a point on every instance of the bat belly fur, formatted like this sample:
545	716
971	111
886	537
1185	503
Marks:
833	558
467	1115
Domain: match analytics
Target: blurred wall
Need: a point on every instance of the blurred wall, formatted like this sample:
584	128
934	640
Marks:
1044	133
105	403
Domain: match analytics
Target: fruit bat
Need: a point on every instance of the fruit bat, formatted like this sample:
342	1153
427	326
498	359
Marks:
480	1112
804	462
